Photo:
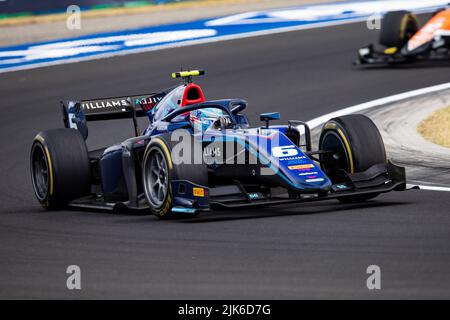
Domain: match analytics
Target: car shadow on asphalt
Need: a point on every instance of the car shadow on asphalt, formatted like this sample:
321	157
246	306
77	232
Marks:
310	208
285	210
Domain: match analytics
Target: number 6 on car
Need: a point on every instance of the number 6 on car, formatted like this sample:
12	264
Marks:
285	151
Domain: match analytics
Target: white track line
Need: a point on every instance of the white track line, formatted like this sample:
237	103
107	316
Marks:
377	103
433	188
314	123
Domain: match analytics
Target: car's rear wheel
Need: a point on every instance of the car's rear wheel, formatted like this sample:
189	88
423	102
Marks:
60	168
356	144
397	27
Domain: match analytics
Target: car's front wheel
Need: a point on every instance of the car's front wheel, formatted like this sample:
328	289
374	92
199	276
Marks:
162	164
397	28
356	144
157	170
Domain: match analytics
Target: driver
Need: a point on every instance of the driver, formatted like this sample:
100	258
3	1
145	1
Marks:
209	118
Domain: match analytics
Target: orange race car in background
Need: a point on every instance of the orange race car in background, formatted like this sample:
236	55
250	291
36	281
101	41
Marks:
403	41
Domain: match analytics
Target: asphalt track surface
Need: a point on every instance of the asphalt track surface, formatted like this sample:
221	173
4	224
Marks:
318	250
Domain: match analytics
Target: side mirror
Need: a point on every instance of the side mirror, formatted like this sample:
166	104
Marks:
269	116
239	107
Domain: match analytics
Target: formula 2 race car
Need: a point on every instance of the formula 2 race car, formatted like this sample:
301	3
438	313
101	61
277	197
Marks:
198	155
404	42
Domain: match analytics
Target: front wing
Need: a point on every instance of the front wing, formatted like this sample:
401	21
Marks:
433	51
380	178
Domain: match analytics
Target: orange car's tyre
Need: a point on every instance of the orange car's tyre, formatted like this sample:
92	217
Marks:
358	145
60	167
397	27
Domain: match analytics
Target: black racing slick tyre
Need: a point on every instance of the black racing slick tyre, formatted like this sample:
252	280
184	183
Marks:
358	145
60	167
159	170
397	27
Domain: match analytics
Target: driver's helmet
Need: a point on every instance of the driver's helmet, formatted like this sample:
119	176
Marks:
203	119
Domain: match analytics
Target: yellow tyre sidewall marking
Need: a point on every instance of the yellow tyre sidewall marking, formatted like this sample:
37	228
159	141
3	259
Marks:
165	150
49	160
347	147
50	169
404	24
165	208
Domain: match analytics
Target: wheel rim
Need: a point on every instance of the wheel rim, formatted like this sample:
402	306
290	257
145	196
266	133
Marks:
40	172
339	160
156	178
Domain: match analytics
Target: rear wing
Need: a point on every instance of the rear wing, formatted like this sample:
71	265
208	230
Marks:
77	113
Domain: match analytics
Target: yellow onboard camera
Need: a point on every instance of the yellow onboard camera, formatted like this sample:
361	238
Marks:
187	75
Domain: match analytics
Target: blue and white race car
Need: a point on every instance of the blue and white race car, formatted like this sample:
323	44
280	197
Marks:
197	155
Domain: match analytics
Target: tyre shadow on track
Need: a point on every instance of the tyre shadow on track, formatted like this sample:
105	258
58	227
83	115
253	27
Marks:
279	211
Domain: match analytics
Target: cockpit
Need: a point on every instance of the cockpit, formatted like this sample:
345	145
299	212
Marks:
189	94
181	96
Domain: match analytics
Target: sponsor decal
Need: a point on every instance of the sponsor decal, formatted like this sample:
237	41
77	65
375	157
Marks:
315	180
147	103
198	192
89	105
301	167
307	173
255	195
293	158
